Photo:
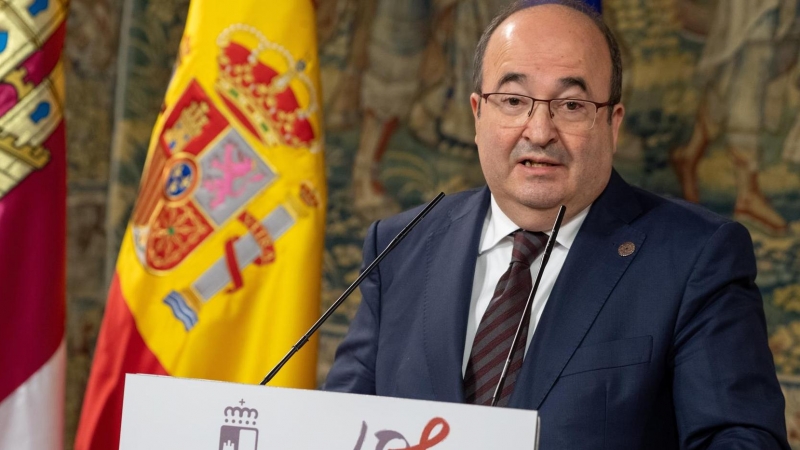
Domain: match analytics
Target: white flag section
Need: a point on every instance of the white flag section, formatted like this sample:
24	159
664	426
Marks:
32	417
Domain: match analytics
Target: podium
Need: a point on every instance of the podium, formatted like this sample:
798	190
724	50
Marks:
165	413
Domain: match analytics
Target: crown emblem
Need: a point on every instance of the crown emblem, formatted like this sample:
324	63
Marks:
266	98
239	431
240	415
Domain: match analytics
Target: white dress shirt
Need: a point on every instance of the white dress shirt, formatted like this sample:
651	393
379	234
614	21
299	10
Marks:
494	256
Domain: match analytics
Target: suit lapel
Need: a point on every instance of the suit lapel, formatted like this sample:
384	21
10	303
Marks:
450	267
592	269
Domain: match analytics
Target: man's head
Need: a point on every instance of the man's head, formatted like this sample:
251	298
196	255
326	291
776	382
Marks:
546	49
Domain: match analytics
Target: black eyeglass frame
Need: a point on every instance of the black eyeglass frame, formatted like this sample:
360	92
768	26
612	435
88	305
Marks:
597	105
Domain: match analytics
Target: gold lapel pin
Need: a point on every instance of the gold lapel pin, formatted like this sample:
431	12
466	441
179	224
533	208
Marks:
626	249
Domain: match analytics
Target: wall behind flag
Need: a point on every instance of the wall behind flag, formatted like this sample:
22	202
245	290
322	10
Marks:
90	62
99	58
388	149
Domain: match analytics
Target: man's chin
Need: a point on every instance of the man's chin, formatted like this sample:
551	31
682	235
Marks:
541	202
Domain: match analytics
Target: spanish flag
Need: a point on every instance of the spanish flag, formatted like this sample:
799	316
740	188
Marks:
219	272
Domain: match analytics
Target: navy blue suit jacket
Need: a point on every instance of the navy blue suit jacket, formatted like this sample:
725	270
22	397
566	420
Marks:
663	349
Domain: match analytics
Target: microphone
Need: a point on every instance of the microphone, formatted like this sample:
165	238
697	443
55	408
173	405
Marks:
551	242
296	347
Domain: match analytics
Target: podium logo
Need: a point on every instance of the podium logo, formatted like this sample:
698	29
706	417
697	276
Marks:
239	431
435	432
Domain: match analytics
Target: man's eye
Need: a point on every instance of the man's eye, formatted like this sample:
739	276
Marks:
513	101
571	106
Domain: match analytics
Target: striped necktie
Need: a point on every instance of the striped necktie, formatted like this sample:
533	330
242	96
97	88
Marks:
499	323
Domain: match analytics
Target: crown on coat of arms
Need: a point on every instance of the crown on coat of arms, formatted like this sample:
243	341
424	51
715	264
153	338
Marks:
263	99
241	415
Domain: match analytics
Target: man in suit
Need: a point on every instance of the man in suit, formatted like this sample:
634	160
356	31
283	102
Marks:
647	331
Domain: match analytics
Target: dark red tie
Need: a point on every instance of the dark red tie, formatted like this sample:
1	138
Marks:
499	323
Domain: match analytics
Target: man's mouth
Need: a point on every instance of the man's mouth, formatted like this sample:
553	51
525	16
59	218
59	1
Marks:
529	163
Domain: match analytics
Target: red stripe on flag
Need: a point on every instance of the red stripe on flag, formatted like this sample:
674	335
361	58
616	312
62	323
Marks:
120	350
33	249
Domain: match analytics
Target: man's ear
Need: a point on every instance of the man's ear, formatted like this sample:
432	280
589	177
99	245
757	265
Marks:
616	121
475	102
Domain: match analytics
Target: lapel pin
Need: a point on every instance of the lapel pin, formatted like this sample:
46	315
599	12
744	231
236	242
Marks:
626	249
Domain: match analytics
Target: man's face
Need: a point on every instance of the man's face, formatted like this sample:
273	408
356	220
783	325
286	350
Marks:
546	52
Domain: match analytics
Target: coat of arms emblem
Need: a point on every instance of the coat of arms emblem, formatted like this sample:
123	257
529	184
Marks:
203	173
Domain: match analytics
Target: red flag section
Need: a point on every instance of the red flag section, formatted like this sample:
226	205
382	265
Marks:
100	418
32	225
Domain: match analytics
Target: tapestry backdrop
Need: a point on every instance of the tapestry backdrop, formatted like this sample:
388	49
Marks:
711	89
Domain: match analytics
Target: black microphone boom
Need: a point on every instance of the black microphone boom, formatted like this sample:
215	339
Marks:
551	242
296	347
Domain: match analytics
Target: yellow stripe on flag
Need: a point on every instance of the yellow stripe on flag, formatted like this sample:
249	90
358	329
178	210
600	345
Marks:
221	262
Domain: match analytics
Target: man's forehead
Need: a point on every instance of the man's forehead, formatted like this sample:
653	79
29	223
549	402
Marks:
541	21
547	13
551	37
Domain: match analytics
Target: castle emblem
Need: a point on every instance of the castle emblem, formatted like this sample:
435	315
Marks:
239	431
30	94
18	161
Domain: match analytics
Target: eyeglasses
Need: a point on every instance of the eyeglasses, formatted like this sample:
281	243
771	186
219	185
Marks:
567	114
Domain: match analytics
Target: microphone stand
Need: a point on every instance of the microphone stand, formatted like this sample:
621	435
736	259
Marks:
551	242
296	347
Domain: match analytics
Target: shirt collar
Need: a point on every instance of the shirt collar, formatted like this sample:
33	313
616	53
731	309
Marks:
497	226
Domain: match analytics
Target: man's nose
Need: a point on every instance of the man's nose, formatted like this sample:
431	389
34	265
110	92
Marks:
540	129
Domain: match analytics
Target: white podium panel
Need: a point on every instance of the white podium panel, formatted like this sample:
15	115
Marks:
173	414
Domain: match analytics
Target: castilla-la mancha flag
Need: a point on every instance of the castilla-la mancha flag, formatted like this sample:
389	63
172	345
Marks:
219	272
32	224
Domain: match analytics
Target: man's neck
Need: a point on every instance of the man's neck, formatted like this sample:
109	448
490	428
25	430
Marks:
536	219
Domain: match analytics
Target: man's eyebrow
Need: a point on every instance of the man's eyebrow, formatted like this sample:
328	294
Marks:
568	82
511	77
